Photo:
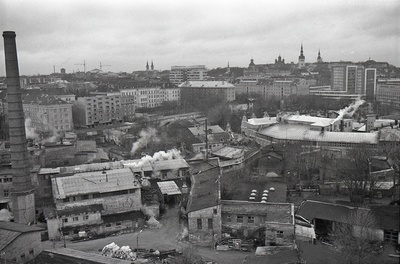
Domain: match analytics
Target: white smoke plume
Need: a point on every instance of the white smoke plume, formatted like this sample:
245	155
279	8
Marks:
146	136
161	155
349	110
30	131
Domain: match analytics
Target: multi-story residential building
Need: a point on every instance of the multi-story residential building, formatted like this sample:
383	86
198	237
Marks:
180	74
388	92
97	110
277	88
172	94
148	97
353	79
128	103
193	91
48	114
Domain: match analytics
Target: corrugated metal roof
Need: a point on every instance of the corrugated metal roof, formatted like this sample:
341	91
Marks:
7	237
173	164
228	152
169	188
303	133
205	190
94	182
9	231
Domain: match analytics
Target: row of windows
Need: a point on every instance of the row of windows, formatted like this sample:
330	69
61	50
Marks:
97	195
75	218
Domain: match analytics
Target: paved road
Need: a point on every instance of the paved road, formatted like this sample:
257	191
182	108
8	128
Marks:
167	237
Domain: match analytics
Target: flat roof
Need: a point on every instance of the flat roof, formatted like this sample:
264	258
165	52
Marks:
207	84
303	133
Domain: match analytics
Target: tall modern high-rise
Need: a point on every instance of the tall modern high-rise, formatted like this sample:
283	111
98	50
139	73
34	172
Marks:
302	59
22	192
354	79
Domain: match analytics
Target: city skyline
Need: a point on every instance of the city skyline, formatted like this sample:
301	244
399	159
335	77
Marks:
126	35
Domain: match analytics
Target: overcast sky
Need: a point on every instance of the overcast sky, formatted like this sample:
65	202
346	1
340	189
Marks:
126	34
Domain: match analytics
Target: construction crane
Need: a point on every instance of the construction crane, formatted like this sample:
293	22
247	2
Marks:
102	65
84	65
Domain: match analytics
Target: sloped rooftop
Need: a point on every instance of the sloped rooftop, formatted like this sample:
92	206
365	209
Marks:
94	182
207	84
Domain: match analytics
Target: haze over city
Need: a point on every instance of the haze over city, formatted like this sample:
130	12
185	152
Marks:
127	34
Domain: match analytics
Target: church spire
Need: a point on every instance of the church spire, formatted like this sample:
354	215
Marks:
147	65
152	66
319	58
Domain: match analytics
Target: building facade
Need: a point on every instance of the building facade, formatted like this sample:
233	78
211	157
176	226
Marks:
193	91
97	110
388	92
353	79
180	74
48	114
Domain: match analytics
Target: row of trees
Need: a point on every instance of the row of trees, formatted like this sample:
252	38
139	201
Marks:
303	162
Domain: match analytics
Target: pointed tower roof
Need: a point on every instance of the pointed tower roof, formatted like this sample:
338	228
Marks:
301	52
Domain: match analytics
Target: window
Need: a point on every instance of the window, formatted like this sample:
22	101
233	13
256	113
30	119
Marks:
86	217
108	225
75	219
228	218
250	220
279	234
6	193
31	252
164	174
118	223
210	223
85	197
65	220
199	224
215	211
239	219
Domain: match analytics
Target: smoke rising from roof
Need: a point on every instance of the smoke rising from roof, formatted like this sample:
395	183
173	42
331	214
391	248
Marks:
146	136
30	131
349	110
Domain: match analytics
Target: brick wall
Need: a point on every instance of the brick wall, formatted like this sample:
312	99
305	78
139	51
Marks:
24	248
202	233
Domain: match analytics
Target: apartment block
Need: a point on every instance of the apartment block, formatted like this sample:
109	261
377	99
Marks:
353	79
193	91
48	114
97	110
180	74
388	92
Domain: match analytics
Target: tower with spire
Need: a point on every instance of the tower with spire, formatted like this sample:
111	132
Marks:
152	66
302	58
147	66
319	58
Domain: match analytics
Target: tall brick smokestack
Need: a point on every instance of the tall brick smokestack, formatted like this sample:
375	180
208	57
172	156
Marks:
22	193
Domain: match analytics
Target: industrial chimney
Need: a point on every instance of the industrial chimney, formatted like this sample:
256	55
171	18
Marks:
22	192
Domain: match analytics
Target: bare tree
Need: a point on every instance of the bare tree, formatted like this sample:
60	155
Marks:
355	237
190	255
354	172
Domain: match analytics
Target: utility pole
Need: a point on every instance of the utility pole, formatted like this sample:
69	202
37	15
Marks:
206	130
